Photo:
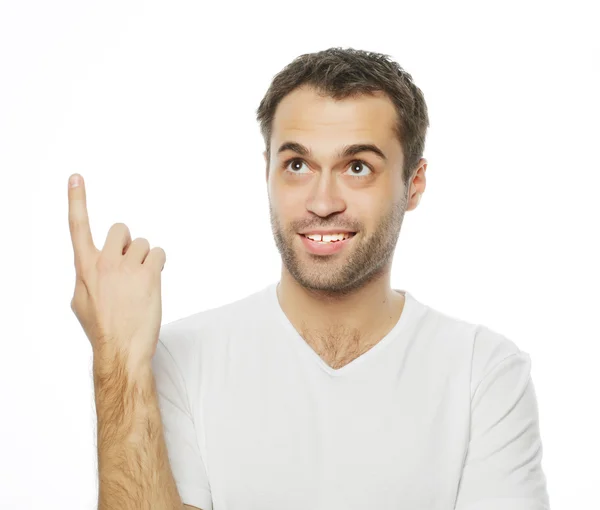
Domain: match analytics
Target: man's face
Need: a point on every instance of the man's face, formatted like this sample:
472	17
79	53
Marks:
325	191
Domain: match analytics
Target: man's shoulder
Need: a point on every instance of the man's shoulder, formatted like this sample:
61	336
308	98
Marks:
475	344
206	325
195	343
490	349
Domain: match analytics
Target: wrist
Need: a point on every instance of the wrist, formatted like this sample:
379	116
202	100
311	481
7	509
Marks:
113	369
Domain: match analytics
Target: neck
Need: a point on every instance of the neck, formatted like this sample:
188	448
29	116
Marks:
361	316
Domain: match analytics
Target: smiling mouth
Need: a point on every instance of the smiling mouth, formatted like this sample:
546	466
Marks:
347	236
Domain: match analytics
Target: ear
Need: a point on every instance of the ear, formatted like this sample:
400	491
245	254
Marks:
418	185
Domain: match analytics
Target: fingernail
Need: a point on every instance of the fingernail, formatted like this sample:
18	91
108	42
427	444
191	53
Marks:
74	181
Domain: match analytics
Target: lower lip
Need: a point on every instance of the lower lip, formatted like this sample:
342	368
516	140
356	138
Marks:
324	248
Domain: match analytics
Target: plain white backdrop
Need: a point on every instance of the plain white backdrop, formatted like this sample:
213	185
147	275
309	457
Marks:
154	104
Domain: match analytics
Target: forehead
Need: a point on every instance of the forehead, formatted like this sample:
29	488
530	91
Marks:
365	117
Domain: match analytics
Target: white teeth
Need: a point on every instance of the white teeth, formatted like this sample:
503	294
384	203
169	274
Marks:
329	237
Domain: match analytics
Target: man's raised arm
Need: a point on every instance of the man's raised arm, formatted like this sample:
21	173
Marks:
117	301
133	464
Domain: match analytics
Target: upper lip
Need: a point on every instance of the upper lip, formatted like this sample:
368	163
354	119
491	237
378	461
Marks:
327	231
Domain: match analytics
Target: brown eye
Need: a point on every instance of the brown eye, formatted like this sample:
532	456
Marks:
294	164
358	164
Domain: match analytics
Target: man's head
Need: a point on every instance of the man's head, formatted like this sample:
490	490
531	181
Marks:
323	103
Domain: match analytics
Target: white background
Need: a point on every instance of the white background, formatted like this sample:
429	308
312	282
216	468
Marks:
154	104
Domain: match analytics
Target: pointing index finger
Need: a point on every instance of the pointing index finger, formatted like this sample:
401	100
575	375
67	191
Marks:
79	224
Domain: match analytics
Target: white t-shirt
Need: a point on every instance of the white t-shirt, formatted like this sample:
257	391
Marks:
439	415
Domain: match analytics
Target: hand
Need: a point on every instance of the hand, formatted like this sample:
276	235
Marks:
117	295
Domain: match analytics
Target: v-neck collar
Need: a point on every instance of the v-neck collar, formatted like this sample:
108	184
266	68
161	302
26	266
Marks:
396	331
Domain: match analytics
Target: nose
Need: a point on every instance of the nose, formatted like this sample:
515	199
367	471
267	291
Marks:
324	198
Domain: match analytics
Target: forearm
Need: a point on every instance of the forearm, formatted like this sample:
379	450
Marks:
133	464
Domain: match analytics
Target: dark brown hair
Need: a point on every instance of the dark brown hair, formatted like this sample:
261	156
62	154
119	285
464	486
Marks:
341	73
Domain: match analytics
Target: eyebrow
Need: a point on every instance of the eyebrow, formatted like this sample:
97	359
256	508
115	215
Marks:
343	152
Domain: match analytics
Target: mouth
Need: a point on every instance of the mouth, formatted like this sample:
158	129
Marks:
326	247
347	235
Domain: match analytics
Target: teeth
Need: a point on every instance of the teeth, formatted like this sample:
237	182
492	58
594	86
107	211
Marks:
329	238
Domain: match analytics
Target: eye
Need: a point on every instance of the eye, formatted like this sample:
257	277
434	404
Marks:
294	163
357	163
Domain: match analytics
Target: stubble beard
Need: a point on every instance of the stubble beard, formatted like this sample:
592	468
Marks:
367	259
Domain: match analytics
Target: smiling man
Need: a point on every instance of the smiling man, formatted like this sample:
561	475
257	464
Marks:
337	173
329	389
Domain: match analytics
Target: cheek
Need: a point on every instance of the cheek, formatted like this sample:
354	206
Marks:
288	208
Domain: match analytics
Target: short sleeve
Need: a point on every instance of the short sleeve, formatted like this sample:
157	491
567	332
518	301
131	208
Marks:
180	435
502	469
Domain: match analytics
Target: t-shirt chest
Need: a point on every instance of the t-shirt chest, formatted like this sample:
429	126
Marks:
366	443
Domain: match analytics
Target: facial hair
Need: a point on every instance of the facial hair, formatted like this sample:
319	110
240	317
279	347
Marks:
365	260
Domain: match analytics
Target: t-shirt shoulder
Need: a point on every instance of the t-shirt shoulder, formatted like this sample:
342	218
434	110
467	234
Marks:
187	335
487	348
491	349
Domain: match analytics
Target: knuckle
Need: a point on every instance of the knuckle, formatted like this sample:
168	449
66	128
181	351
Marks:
142	241
75	307
159	252
119	228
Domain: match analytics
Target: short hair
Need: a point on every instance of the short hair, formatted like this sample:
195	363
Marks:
340	73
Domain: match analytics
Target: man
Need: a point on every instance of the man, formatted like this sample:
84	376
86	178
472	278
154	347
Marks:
329	389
